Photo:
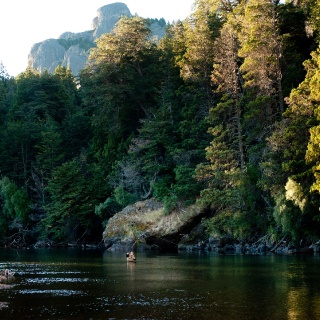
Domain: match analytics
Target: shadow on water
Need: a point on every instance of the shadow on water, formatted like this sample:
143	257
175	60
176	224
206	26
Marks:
97	284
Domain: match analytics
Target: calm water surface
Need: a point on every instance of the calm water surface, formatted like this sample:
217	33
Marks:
96	284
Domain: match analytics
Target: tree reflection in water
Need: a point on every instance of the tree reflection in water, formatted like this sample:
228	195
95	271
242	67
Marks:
84	284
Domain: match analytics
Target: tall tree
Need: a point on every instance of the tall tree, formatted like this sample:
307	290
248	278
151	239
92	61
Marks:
7	87
295	206
39	96
129	50
296	44
261	50
313	80
120	84
121	87
70	212
227	77
15	212
201	29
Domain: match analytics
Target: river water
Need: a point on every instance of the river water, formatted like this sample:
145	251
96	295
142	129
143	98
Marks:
97	284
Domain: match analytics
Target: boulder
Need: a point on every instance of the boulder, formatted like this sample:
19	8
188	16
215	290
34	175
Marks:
146	226
6	276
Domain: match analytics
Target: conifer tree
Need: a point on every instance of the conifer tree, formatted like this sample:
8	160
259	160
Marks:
224	172
261	50
73	196
294	143
313	79
261	53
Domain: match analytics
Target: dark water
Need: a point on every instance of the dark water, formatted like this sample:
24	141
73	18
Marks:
95	284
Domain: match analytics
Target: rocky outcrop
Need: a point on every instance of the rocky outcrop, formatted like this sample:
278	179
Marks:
145	226
71	50
107	17
46	55
75	58
6	276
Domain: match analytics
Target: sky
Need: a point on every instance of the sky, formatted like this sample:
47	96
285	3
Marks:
26	22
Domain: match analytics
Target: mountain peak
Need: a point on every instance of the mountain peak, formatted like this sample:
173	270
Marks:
108	16
71	50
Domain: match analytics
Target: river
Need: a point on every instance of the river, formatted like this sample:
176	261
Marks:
97	284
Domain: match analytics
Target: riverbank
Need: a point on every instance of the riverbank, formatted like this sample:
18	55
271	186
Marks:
144	227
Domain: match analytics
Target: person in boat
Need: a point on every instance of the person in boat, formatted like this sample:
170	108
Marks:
130	256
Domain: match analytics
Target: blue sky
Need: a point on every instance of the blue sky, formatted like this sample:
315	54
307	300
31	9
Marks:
26	22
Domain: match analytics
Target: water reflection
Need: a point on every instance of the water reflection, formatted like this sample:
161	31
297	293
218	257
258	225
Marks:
303	301
78	284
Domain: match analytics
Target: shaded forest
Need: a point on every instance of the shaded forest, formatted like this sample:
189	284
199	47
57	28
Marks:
222	111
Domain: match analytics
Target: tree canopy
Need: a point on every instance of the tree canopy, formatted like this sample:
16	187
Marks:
223	111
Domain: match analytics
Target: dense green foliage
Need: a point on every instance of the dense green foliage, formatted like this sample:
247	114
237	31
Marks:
222	111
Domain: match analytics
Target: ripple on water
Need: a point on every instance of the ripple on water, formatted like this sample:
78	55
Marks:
39	268
55	280
64	293
149	301
40	271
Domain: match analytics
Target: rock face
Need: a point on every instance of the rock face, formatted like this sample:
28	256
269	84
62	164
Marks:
107	17
46	55
71	50
145	226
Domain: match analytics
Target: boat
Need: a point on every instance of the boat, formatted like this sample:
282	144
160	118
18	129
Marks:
131	257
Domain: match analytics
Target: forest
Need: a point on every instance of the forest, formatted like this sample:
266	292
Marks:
222	112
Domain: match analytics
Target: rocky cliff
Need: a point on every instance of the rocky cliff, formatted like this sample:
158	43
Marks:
71	50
